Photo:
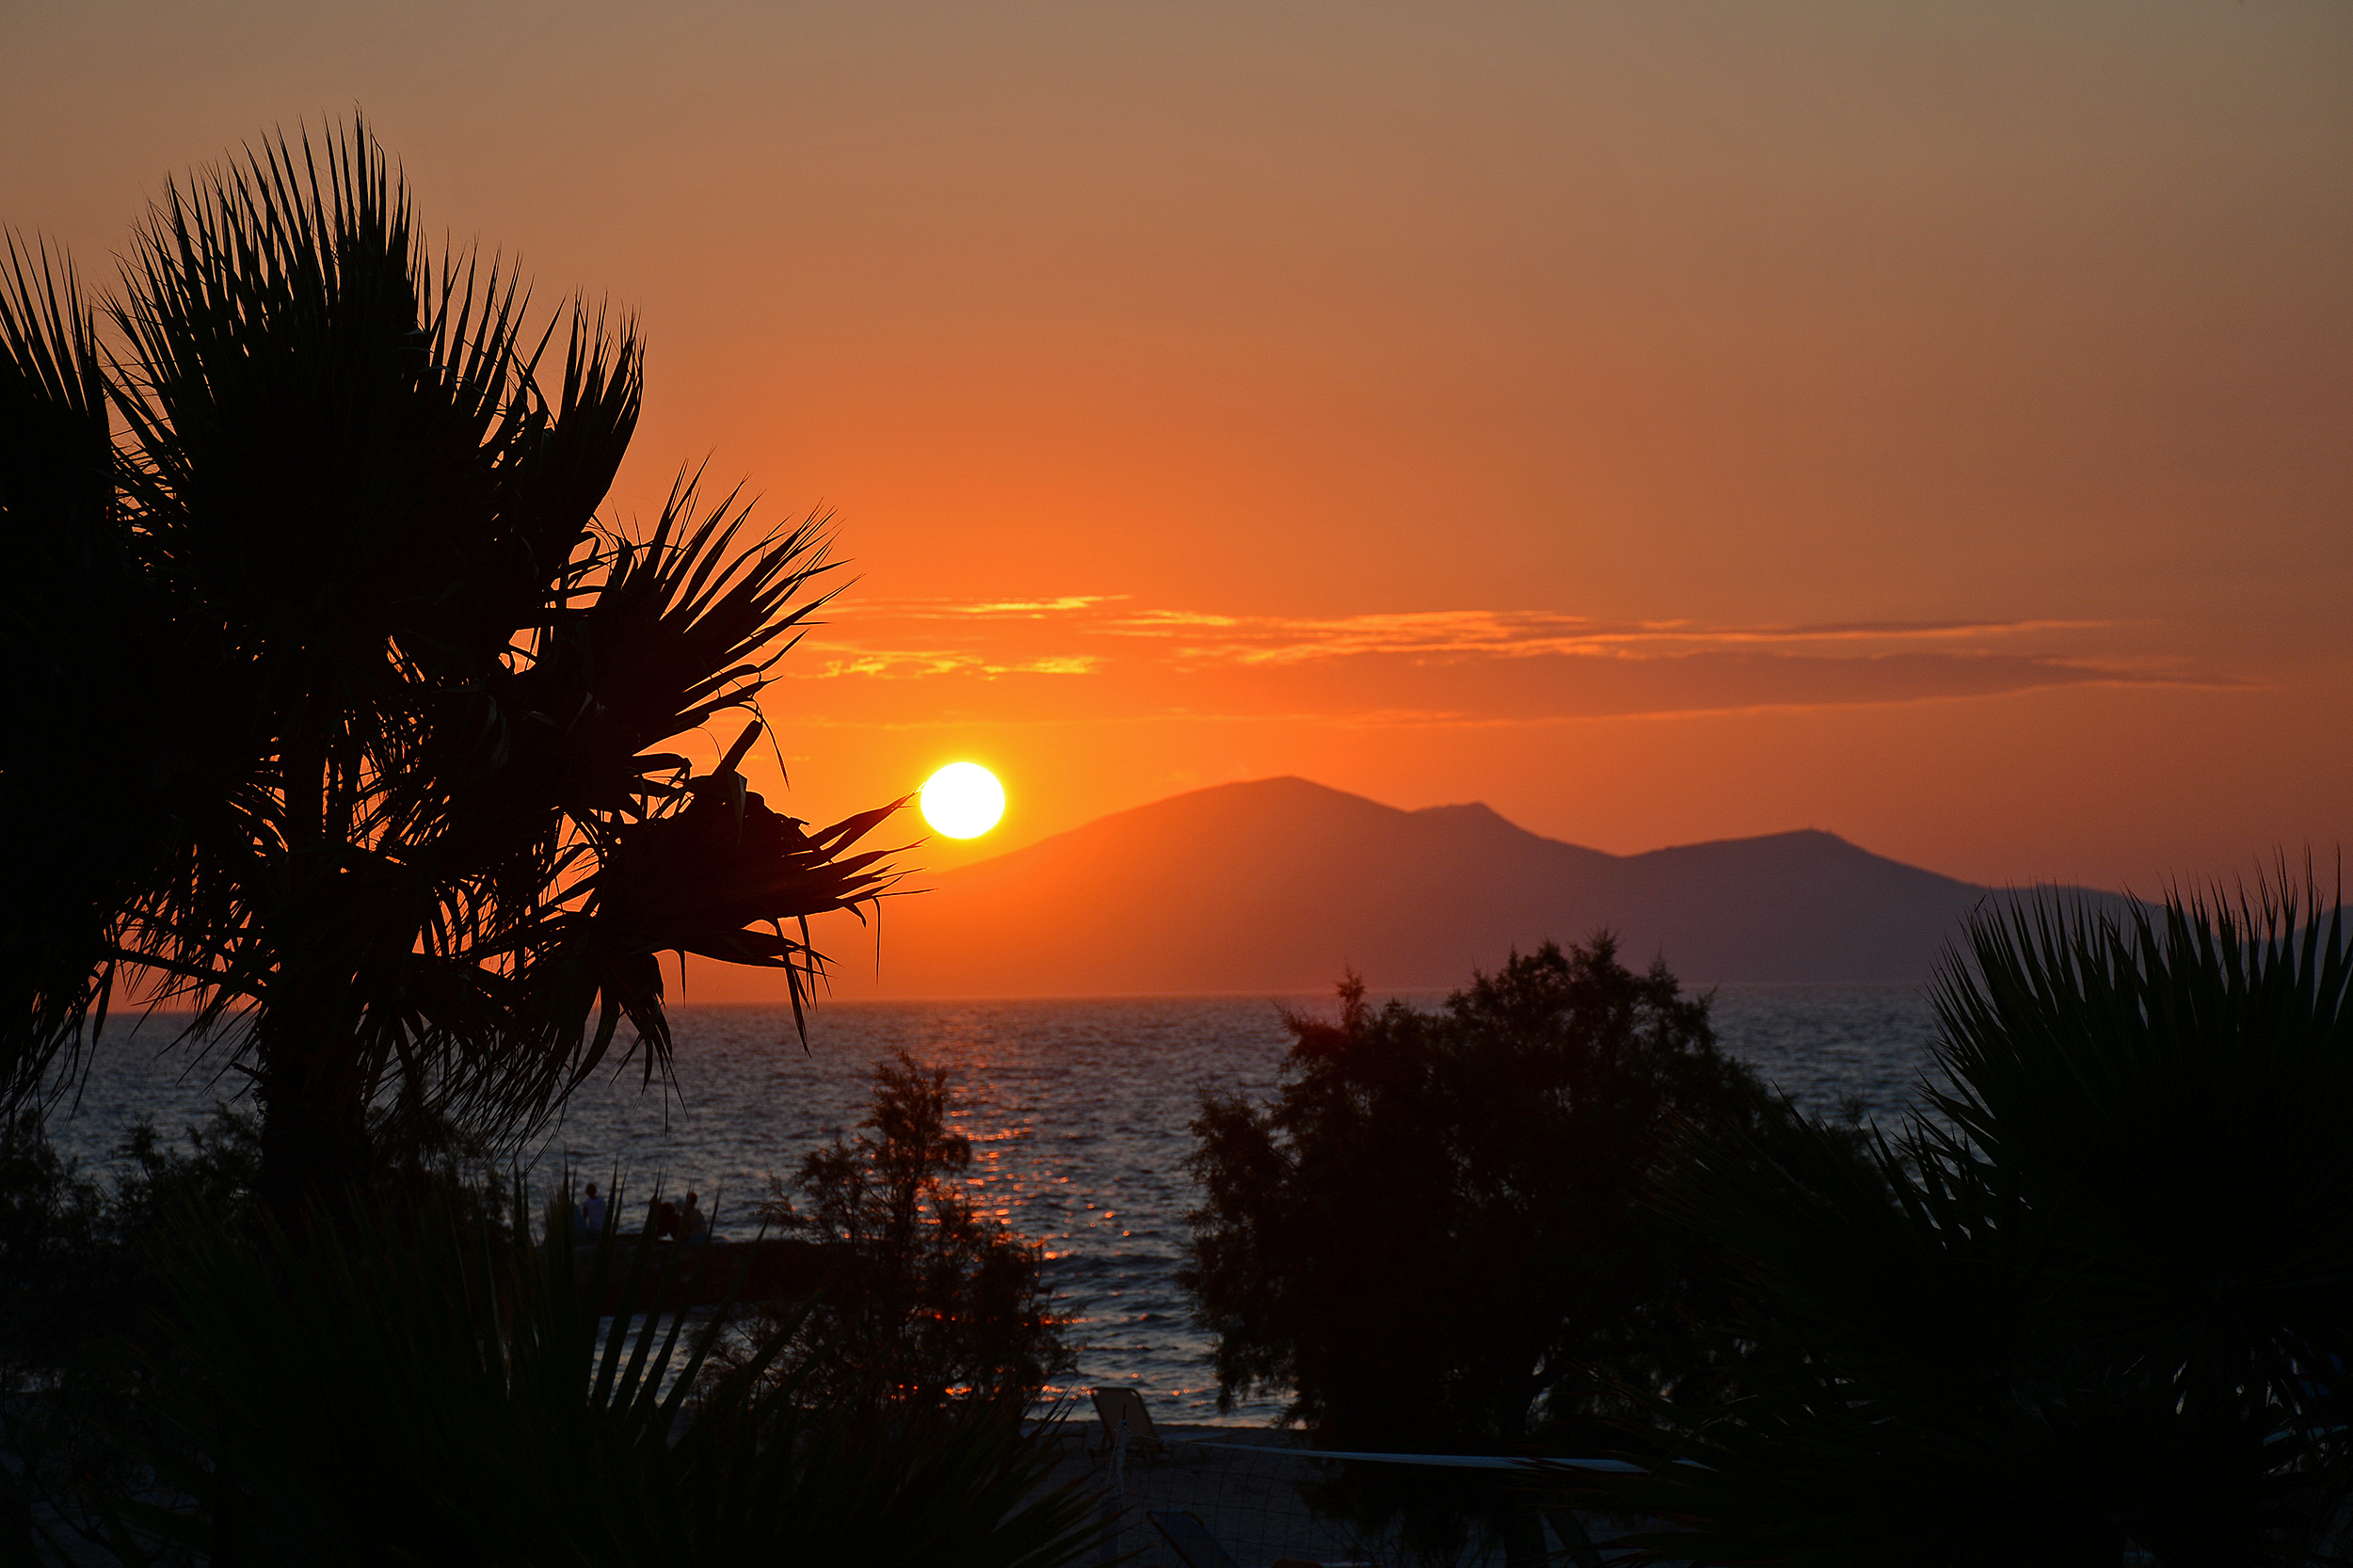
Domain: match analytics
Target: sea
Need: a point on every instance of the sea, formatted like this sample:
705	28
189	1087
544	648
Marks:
1079	1111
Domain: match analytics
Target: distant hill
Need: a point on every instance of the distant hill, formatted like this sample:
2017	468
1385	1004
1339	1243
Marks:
1274	885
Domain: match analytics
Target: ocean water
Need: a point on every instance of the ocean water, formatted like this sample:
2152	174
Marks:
1078	1112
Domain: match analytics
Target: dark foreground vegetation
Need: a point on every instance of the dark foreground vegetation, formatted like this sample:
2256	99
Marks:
2090	1303
367	713
932	1301
427	1384
1438	1232
180	1380
2098	1289
336	713
1440	1237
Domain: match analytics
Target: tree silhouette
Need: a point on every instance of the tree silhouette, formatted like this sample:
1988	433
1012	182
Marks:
330	699
1436	1232
931	1298
2095	1291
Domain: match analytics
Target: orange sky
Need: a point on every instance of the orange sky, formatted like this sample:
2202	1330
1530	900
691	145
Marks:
1664	421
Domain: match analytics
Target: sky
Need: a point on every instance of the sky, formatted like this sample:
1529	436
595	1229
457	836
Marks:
1664	421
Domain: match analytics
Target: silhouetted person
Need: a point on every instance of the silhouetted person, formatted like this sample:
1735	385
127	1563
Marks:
694	1225
664	1219
591	1220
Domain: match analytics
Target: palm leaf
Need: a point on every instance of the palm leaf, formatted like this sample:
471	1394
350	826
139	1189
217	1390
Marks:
2095	1291
373	723
297	1381
81	631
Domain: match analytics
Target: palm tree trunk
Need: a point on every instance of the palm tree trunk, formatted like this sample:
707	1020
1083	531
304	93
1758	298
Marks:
314	1138
314	1142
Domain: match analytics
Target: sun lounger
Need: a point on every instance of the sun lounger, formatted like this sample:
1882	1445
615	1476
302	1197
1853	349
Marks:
1114	1406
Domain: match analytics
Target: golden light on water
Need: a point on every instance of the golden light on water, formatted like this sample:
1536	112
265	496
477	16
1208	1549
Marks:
963	800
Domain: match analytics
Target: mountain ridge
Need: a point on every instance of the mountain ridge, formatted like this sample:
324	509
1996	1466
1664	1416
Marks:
1278	884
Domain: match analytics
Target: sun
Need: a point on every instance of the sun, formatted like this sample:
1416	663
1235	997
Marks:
963	800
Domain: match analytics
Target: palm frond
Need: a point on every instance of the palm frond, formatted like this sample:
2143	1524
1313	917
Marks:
2096	1290
2176	1086
74	578
361	703
525	1425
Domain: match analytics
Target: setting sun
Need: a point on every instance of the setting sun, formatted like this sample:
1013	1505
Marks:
963	800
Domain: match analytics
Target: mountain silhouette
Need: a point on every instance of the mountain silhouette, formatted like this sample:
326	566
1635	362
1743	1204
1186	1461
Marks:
1278	884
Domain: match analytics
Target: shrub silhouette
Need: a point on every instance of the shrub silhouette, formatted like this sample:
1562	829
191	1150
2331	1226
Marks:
931	1300
422	1386
1437	1235
1436	1232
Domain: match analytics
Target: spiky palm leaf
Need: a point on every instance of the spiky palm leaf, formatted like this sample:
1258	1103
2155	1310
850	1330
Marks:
106	714
482	1411
2173	1089
2098	1292
409	819
57	494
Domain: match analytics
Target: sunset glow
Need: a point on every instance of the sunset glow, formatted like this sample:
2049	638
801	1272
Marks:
1662	423
963	800
1560	588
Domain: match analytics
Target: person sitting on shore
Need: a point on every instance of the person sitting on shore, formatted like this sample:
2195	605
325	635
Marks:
664	1219
589	1218
694	1225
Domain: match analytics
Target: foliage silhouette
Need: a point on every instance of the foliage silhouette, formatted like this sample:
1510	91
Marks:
1439	1223
481	1411
80	1276
1436	1233
332	702
932	1301
2101	1289
73	1248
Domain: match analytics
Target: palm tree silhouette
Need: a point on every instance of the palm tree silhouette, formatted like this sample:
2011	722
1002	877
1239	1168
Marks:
329	699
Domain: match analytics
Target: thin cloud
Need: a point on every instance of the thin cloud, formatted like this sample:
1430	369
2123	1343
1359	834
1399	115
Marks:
1519	635
1497	630
1106	657
963	609
907	664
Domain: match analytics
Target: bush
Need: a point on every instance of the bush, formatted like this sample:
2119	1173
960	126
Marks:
929	1299
54	1225
1435	1235
81	1281
421	1388
417	1380
77	1281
